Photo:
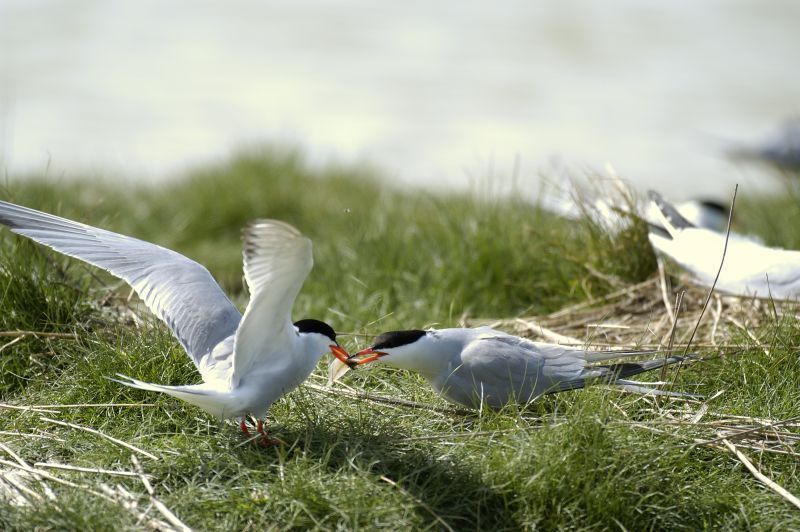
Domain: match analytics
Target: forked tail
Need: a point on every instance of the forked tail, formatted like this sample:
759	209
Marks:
212	401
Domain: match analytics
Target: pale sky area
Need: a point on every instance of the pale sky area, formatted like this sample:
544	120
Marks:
434	94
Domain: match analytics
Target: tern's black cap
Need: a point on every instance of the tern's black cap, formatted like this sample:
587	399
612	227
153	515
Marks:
391	339
715	206
316	326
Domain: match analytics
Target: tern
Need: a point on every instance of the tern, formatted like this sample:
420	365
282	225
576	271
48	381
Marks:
481	366
705	213
246	361
780	149
616	211
749	268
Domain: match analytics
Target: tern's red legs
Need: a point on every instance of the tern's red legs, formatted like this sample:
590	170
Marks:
265	440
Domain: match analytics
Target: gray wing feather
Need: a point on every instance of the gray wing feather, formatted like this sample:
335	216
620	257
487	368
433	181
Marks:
526	369
507	368
672	218
612	373
277	259
178	290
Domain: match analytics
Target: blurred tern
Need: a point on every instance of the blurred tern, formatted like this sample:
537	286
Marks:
704	213
619	206
486	367
780	149
750	268
247	362
614	217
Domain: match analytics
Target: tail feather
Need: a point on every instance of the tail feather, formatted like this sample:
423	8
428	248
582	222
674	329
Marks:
616	373
213	402
600	356
636	387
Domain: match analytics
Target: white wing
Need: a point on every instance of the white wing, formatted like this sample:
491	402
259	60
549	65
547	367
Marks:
277	259
178	290
749	268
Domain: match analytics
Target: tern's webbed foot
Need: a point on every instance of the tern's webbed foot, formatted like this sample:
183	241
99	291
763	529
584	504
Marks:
266	440
262	438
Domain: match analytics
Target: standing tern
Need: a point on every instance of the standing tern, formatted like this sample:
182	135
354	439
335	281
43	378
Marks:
749	269
486	367
247	362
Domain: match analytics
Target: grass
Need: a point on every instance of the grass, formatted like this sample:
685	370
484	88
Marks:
385	258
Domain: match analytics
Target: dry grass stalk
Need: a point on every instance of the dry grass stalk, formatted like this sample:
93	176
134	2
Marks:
14	488
771	484
79	469
160	506
641	312
38	334
96	405
106	436
31	408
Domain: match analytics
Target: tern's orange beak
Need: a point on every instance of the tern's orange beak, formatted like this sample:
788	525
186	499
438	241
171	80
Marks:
374	355
343	356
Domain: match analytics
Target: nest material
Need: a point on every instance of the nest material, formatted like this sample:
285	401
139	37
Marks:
644	316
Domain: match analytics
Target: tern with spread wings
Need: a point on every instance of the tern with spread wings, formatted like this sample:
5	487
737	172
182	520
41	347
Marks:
246	361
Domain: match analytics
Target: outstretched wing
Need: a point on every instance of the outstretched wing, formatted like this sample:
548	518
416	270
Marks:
277	259
178	290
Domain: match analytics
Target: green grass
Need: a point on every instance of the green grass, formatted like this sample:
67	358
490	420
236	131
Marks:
774	218
384	259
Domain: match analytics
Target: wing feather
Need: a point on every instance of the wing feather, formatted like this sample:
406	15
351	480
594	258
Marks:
507	367
175	288
277	259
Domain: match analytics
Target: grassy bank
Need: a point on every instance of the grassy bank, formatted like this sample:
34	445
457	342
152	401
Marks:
385	258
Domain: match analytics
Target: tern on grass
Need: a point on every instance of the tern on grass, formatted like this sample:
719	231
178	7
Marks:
705	213
482	366
246	361
613	216
749	269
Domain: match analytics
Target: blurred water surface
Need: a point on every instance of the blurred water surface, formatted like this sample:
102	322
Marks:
433	93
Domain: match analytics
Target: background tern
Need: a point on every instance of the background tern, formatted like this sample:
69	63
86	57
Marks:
247	362
708	214
750	268
486	367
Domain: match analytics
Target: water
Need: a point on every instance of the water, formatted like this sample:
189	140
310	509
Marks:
439	93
